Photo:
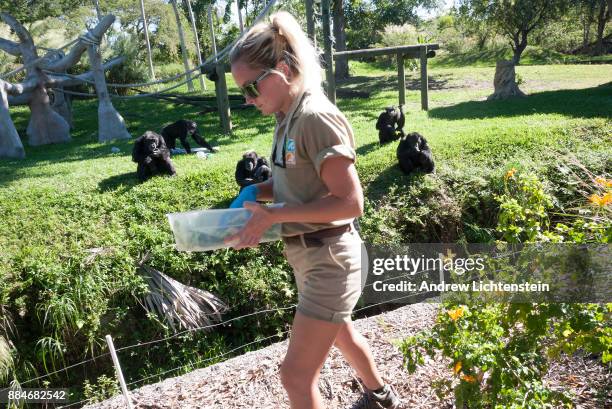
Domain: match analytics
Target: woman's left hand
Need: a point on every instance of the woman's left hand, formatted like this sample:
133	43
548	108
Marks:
249	236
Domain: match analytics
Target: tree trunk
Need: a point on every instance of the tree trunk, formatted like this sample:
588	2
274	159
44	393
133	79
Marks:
240	23
588	11
62	104
342	70
110	123
10	144
519	46
148	43
197	42
212	32
602	19
505	82
190	87
481	40
45	126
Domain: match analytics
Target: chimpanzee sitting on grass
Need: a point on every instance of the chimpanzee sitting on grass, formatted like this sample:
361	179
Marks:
390	124
152	156
252	169
180	130
413	154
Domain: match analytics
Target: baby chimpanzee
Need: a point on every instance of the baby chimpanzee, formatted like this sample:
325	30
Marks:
180	130
252	169
414	154
386	124
152	156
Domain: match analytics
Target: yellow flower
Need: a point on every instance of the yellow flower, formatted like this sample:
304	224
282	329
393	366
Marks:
603	182
455	314
468	378
457	367
510	173
601	200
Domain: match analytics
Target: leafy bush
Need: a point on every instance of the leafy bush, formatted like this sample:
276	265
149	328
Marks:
523	209
106	387
394	36
169	70
133	69
499	352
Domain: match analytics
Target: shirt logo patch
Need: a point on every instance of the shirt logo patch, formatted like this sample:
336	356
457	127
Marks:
290	152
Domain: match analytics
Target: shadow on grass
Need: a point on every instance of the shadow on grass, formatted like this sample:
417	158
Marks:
390	176
363	86
122	182
365	149
579	103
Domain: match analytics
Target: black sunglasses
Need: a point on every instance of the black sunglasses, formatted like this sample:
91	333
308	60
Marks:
250	89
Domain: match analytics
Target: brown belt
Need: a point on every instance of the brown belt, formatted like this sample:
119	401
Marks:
313	239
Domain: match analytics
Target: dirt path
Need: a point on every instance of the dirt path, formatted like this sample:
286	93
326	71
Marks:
252	381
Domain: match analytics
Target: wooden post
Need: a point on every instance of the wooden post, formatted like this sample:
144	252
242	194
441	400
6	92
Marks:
111	348
222	98
424	82
401	77
328	53
310	27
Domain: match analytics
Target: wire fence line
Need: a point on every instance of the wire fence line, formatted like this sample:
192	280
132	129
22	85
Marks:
150	343
223	323
192	364
205	327
201	361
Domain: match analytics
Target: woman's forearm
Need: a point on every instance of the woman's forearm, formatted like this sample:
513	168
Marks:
327	209
264	191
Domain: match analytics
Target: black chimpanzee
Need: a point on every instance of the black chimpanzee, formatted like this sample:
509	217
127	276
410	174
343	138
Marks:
414	154
152	156
390	124
180	130
252	169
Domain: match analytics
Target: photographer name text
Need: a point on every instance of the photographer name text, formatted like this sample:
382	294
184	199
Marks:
476	286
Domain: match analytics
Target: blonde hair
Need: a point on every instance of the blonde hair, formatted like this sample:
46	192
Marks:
282	39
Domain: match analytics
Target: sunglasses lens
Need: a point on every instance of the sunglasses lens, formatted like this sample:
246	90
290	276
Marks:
250	91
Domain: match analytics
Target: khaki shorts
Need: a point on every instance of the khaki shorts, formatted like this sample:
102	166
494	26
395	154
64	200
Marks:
328	277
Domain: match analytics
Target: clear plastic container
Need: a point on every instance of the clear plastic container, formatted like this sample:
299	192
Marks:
203	230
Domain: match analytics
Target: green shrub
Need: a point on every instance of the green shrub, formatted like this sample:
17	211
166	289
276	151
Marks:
105	387
394	36
133	69
499	352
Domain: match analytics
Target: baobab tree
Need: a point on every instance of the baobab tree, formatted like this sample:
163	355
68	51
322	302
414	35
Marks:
46	125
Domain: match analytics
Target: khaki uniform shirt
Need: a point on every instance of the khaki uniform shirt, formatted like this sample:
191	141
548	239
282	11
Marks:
316	131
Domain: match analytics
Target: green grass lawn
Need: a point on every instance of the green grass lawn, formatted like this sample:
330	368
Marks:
63	200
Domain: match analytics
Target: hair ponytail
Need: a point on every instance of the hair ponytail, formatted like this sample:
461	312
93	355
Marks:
266	44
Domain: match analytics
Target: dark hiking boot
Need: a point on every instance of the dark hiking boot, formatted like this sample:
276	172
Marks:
387	399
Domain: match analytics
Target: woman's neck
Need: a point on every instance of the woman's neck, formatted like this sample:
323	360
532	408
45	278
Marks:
293	93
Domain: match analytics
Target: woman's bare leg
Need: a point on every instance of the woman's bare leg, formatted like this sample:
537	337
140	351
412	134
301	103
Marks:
309	345
356	351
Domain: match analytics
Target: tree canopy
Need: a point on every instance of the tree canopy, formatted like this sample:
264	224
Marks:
514	19
27	11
